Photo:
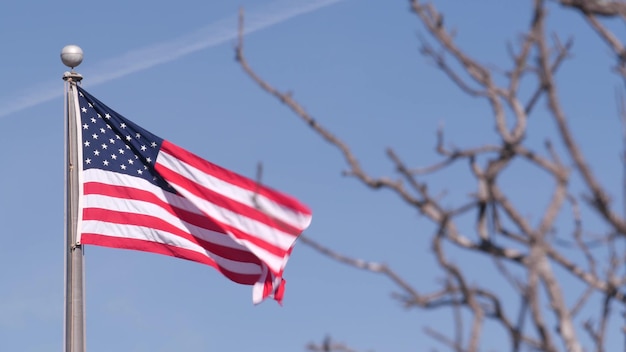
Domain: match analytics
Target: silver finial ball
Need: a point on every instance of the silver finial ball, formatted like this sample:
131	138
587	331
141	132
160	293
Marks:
72	55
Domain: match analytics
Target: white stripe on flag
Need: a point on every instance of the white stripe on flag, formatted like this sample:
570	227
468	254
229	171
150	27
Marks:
162	237
236	193
269	234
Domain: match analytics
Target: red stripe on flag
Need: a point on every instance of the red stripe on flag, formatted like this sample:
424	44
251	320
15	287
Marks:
238	232
123	192
233	178
223	201
159	248
149	221
256	241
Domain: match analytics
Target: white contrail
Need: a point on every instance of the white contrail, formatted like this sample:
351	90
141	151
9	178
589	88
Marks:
150	56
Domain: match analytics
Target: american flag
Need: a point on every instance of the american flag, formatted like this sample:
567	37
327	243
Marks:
144	193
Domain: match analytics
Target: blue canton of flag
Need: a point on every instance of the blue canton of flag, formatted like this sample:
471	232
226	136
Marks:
113	143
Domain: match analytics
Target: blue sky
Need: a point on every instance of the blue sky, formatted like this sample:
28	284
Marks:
169	66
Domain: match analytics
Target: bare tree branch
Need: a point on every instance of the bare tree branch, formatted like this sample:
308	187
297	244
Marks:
599	8
528	255
329	346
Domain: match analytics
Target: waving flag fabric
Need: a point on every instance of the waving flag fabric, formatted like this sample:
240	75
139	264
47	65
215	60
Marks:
144	193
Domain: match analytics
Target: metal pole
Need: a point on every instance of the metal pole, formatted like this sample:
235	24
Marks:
72	55
74	293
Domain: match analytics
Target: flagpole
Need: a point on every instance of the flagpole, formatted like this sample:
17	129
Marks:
72	56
